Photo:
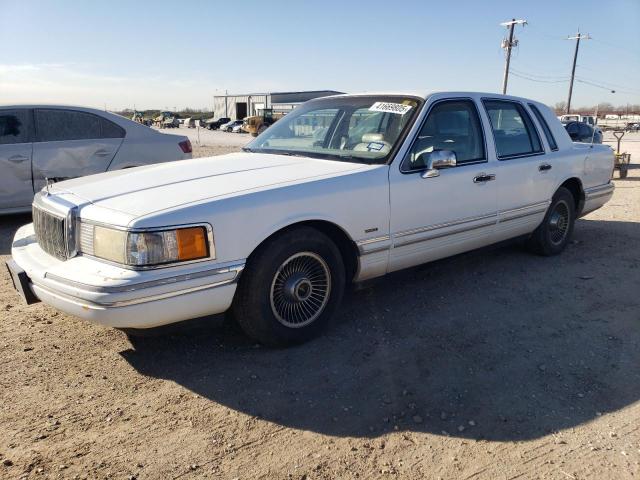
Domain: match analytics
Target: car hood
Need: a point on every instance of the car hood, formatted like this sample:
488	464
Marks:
145	190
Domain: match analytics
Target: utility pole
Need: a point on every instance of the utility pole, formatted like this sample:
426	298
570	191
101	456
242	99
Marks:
577	38
507	44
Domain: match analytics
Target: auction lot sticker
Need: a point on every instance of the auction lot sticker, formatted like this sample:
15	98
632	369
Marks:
389	107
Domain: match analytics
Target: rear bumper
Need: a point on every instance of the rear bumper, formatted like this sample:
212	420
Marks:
122	298
596	197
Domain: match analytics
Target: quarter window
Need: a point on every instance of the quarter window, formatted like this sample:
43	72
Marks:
513	129
545	127
56	125
451	125
14	127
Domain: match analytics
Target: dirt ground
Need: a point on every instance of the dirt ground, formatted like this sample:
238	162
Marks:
496	364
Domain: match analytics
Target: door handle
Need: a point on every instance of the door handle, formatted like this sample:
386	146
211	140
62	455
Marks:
484	177
102	153
18	158
544	167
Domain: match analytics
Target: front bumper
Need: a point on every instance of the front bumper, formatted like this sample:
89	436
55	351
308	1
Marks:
118	297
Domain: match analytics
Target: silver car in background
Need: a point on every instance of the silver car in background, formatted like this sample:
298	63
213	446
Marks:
40	142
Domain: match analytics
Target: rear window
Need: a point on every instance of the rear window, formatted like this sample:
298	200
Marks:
59	125
513	129
545	127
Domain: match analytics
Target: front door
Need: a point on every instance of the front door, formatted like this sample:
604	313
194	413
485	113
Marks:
16	190
455	211
72	144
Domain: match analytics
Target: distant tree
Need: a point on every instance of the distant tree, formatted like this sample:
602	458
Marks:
560	108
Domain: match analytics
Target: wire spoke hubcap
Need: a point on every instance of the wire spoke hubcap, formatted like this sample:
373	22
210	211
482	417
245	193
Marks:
559	223
300	289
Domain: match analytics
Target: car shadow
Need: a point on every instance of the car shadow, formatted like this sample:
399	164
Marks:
496	344
11	223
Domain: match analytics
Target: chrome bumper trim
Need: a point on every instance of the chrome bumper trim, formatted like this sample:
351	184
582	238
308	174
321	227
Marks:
237	268
136	301
599	191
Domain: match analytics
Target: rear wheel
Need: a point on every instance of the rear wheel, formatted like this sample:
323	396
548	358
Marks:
553	234
290	288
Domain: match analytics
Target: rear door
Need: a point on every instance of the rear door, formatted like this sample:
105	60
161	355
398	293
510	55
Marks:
525	174
16	190
71	143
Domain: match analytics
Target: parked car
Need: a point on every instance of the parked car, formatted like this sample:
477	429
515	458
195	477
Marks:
275	232
588	119
238	128
40	142
228	127
215	124
583	132
189	123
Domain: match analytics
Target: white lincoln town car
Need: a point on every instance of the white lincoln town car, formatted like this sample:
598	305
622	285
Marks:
343	189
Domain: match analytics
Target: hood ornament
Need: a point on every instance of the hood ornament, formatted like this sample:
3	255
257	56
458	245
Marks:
48	182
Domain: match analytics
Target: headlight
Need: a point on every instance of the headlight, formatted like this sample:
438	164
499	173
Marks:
145	248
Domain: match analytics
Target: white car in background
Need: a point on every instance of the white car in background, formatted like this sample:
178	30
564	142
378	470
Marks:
342	189
40	143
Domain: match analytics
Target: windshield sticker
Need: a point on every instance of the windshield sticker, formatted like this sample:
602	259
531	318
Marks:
375	146
388	107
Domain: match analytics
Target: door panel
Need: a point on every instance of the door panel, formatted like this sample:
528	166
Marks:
72	144
450	213
16	190
72	158
525	173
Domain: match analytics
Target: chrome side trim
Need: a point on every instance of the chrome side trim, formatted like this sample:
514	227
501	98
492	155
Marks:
444	234
367	246
544	204
524	211
522	215
236	268
429	228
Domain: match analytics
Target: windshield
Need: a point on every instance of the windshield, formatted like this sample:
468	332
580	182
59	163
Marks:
354	129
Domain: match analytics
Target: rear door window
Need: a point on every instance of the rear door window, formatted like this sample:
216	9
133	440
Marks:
545	127
58	125
513	130
14	127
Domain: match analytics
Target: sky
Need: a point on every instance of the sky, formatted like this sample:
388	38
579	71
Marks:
174	54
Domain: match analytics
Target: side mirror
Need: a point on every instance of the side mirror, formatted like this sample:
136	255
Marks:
437	160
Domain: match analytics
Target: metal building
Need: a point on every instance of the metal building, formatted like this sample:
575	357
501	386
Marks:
240	106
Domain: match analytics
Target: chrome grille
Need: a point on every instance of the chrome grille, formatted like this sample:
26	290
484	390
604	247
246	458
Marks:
50	233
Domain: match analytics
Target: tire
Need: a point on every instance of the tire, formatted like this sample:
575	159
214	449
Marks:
290	288
624	170
553	234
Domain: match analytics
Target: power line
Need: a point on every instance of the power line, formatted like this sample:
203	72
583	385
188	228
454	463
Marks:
539	80
508	44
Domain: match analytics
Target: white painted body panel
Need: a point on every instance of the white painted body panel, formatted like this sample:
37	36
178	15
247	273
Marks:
395	220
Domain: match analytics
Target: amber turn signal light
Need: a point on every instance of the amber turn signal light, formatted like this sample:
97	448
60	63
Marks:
192	243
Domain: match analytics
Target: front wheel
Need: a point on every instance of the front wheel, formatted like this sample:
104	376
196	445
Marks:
291	288
553	234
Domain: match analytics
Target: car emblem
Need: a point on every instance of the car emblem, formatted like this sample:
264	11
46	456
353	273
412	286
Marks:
48	182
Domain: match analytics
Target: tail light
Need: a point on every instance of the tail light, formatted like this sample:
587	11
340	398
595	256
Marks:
185	146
